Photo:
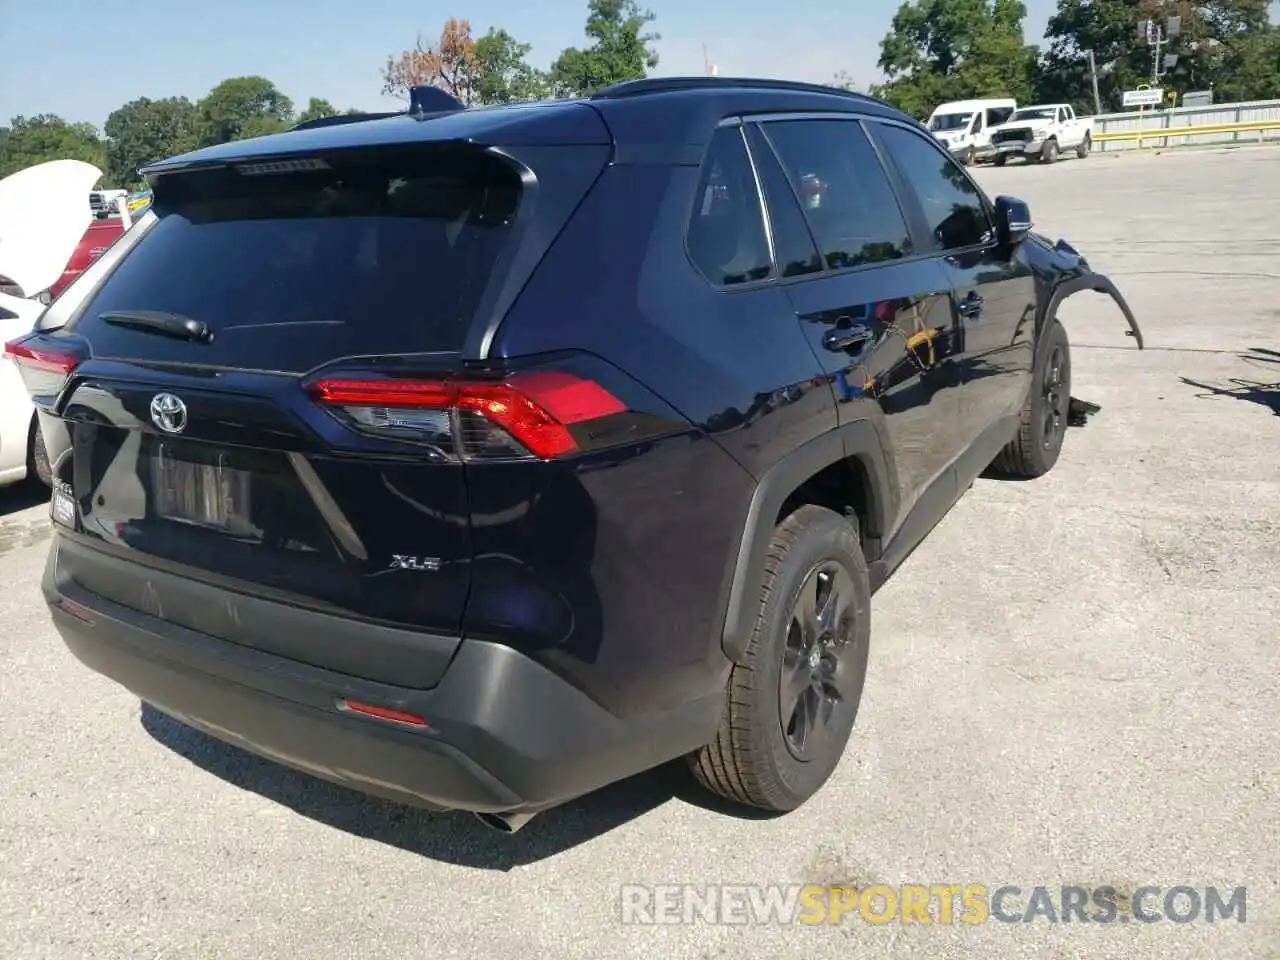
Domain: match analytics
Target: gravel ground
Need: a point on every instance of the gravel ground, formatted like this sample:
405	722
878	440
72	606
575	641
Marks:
1072	682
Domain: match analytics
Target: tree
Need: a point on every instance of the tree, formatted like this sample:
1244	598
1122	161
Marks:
239	108
143	131
1224	44
504	75
32	140
843	80
317	109
451	65
938	50
1251	68
621	49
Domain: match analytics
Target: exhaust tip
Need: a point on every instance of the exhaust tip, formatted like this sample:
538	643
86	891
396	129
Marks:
504	822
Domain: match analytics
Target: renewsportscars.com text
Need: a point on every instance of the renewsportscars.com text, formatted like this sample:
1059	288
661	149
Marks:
945	903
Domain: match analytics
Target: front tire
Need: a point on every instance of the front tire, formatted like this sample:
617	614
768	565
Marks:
1043	423
1049	152
793	699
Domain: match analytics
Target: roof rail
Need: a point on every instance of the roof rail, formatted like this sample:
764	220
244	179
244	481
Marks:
636	88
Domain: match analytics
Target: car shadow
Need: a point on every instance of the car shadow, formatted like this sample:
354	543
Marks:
456	838
22	496
1265	392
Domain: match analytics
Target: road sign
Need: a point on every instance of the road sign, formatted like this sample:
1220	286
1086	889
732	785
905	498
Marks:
1143	98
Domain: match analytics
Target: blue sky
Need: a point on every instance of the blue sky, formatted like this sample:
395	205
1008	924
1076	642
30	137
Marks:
62	56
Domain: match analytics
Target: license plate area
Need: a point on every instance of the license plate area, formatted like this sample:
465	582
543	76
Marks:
203	488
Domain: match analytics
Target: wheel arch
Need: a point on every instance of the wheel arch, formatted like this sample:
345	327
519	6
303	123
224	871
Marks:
1097	283
852	464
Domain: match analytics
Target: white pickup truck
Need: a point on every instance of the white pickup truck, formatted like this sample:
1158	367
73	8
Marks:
1042	132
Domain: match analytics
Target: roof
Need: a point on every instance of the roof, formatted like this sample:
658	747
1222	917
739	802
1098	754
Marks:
667	119
959	106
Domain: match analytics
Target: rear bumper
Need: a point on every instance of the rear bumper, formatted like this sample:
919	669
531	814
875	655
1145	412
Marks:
504	735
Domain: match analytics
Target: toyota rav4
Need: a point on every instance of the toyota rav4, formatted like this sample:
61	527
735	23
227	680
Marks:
478	458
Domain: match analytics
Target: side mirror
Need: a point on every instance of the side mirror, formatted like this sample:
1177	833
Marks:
1013	219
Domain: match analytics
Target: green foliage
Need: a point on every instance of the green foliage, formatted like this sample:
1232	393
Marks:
844	81
31	140
1228	45
620	50
935	50
940	50
239	108
1250	68
504	75
143	131
317	109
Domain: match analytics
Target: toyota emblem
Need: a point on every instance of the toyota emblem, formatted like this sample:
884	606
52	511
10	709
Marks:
168	413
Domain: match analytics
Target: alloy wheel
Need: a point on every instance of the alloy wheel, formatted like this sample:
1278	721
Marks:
815	686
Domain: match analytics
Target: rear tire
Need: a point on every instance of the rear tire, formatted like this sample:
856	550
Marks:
38	466
1086	145
1043	422
793	698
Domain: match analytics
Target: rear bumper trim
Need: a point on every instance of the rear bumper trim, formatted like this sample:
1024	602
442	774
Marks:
503	735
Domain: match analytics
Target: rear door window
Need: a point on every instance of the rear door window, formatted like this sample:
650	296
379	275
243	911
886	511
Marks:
726	237
366	255
793	244
843	189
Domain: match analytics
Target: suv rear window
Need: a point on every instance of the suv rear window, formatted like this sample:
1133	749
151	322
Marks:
382	253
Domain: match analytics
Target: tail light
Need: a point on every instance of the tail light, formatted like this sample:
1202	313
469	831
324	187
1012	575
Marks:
537	414
40	358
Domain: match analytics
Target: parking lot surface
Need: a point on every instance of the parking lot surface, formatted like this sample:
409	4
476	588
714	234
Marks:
1073	682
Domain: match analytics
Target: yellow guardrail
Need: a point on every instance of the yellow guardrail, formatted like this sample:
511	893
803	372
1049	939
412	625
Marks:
1160	133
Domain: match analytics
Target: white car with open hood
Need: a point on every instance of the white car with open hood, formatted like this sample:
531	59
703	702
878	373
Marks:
43	215
1043	133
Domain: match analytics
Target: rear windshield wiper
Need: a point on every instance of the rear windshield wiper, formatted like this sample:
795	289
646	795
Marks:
158	321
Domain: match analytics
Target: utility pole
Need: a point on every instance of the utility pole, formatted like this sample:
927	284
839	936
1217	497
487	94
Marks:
1158	35
708	67
1157	39
1093	75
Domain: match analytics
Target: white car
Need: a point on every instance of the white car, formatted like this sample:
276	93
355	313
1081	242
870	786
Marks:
1042	133
43	215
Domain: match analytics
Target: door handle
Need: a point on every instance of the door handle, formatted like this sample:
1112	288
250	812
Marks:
971	306
846	338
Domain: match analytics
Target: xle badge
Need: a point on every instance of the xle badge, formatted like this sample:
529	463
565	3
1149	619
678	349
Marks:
401	561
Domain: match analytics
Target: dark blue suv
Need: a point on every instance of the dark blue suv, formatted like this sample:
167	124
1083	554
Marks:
478	458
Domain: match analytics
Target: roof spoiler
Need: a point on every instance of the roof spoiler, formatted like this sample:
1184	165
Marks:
424	101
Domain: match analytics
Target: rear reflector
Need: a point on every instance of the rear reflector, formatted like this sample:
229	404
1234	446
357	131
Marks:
535	409
81	613
52	361
382	713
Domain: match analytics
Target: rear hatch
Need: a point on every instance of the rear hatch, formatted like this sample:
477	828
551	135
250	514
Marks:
246	401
